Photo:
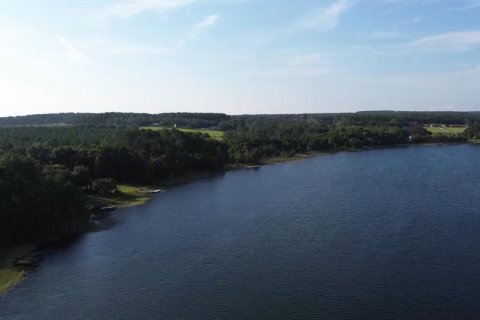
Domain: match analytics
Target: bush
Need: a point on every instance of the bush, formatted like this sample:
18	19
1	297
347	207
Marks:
105	187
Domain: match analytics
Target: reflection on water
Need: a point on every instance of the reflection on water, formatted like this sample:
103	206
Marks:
379	234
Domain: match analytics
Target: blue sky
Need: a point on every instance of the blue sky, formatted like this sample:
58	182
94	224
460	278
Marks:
238	56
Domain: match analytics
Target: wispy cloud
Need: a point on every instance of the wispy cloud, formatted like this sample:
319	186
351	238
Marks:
451	41
207	22
126	9
151	49
325	18
73	53
200	27
437	43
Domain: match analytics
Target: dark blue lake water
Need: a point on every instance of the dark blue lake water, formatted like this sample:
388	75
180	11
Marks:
380	234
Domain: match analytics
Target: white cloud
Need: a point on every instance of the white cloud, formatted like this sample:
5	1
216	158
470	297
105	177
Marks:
325	18
208	22
436	43
198	28
431	44
111	48
73	53
126	9
451	41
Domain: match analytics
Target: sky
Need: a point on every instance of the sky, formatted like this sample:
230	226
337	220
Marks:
238	56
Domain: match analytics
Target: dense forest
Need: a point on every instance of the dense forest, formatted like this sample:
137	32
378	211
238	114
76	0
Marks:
48	163
253	138
45	172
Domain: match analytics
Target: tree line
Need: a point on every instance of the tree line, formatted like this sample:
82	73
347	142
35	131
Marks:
184	119
48	163
228	122
45	172
252	139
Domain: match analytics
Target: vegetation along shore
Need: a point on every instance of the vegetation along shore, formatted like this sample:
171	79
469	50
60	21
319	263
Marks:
58	170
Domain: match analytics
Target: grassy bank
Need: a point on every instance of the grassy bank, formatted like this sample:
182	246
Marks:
9	274
137	195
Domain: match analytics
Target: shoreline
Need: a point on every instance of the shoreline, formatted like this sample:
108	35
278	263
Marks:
11	275
312	154
138	195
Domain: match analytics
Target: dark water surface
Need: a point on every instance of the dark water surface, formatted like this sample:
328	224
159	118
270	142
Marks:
379	234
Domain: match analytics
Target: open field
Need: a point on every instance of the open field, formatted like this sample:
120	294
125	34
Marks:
446	130
214	134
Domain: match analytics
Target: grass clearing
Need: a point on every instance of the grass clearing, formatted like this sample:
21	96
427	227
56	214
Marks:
128	196
446	130
214	134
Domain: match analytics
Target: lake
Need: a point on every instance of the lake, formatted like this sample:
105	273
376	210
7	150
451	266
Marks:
392	233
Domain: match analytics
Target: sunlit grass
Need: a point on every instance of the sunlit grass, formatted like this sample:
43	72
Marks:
446	130
214	134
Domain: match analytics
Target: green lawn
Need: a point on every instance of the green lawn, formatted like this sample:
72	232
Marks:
214	134
446	130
